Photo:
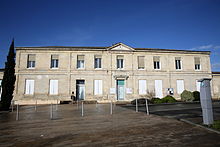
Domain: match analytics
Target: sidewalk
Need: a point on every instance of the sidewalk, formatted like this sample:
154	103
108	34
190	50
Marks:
98	128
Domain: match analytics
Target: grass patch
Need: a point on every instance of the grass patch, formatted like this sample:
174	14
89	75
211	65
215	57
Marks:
216	125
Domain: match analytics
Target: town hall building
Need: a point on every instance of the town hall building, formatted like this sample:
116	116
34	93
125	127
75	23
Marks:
115	73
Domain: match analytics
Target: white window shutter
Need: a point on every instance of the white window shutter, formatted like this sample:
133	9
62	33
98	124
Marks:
180	86
97	87
53	87
29	87
142	87
198	85
100	86
159	88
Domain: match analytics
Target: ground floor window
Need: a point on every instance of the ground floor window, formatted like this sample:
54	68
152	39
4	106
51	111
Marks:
53	87
142	87
29	87
158	88
180	86
97	87
198	85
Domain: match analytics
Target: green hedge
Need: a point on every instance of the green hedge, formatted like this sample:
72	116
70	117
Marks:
196	95
168	99
187	96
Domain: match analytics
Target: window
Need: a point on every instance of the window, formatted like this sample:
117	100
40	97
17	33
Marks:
54	61
31	61
53	87
178	63
80	61
97	87
140	62
142	87
158	88
198	85
180	86
0	88
29	87
120	62
156	62
98	61
197	63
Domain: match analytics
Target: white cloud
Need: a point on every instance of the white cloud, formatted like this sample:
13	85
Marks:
206	47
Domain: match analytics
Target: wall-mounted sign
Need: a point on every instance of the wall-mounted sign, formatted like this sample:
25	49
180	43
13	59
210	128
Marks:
129	90
112	90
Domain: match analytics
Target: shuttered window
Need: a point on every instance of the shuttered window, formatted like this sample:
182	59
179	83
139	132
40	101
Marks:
98	61
120	62
180	86
142	87
80	61
156	61
140	62
53	87
198	85
197	63
54	61
178	63
97	87
31	61
29	87
158	88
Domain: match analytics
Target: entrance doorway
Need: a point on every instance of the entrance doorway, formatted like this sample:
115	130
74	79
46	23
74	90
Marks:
80	89
120	89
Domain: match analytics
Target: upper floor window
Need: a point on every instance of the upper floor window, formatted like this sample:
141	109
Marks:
197	63
54	61
178	63
120	62
31	61
156	60
140	62
80	61
98	61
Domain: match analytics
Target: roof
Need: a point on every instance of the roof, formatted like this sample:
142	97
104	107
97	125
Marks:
86	48
216	72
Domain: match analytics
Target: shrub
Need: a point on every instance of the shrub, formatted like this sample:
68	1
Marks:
156	101
187	96
196	95
216	125
168	99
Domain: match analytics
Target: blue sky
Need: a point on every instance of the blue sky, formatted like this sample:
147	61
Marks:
166	24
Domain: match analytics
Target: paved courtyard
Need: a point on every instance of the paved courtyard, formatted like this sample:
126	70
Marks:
98	127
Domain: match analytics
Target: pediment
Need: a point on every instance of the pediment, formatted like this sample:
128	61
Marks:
120	47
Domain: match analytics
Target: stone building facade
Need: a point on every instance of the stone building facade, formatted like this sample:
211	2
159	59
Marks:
1	77
118	72
216	85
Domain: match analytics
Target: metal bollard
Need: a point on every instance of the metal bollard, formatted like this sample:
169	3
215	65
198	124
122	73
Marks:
77	103
57	106
12	106
136	105
147	109
82	108
36	105
51	111
96	104
17	114
111	108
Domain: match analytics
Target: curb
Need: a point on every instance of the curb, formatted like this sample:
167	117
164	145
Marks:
197	125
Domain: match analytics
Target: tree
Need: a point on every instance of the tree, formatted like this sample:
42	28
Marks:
8	81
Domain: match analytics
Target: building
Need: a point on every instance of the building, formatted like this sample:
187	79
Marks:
117	72
1	77
216	84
